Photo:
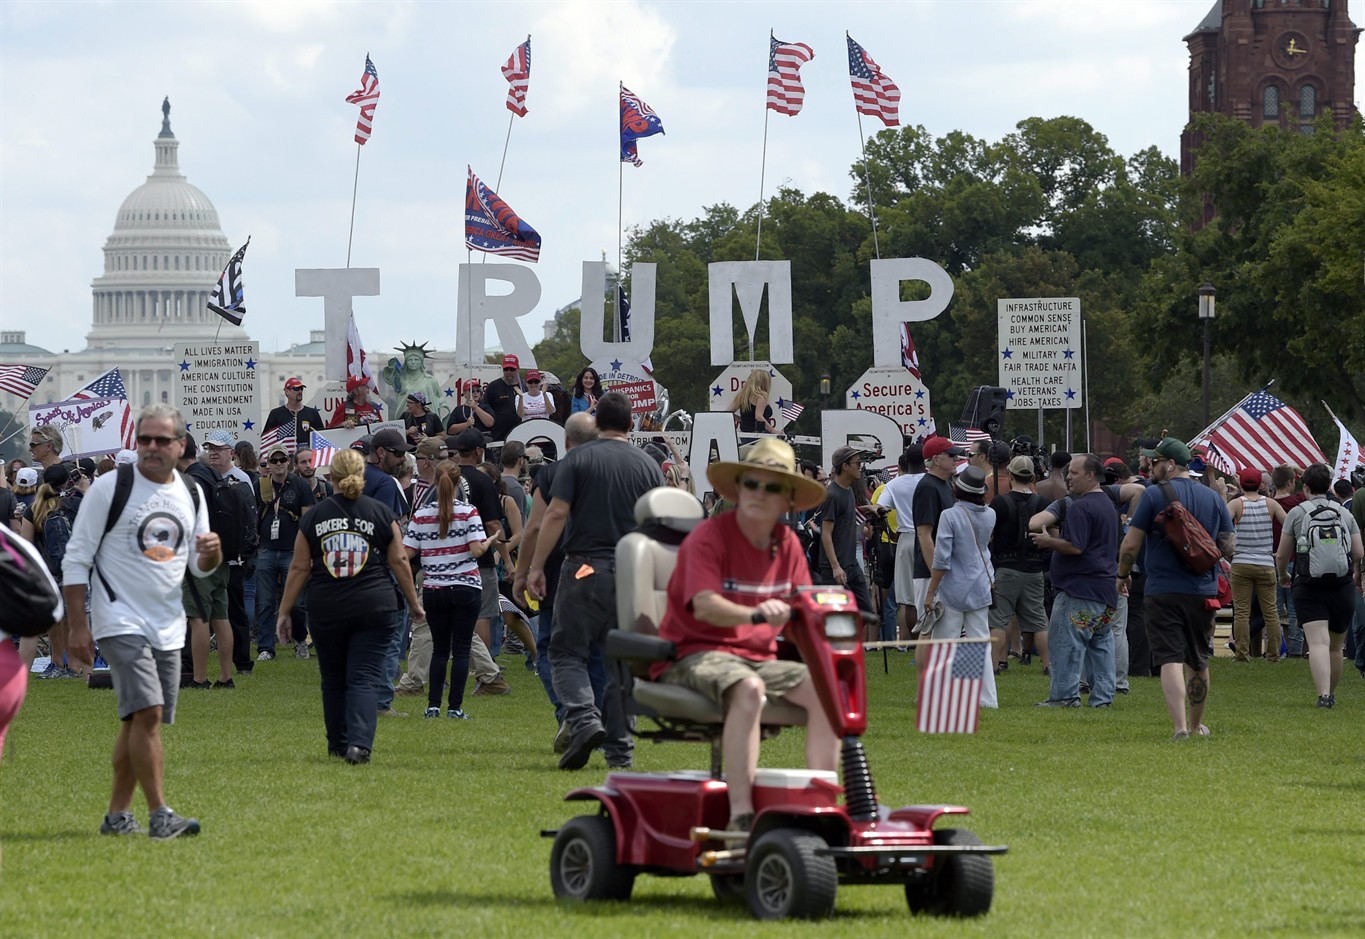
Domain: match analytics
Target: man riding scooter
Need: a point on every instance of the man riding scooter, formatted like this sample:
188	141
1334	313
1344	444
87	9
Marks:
731	570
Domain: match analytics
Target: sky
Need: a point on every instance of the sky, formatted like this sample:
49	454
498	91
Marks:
257	90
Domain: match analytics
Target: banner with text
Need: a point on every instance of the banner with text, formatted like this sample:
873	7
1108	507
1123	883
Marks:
1040	352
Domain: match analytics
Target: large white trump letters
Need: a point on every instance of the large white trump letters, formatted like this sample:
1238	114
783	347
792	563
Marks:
748	278
889	310
476	309
337	287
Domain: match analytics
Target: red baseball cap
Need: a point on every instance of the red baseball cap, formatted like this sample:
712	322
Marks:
936	445
533	375
355	381
511	361
1249	478
293	383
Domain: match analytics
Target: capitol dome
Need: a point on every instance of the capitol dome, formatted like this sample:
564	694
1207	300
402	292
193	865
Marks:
161	262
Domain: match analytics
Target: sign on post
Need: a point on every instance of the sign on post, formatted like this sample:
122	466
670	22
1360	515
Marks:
1040	352
721	392
216	386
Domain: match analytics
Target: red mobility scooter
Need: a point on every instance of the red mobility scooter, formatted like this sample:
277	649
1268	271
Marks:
805	839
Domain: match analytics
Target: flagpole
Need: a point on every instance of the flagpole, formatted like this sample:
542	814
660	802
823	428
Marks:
1208	430
1085	379
867	174
355	183
762	173
620	200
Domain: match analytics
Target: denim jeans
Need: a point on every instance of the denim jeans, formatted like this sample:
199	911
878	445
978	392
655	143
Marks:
1293	633
351	664
272	567
1080	631
585	610
1119	627
398	634
889	628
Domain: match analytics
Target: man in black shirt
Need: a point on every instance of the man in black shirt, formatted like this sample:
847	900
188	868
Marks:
839	528
281	498
933	496
593	500
500	399
419	421
306	420
1019	565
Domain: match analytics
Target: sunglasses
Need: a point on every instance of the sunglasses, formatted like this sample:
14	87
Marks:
533	381
146	440
38	443
753	485
279	459
508	368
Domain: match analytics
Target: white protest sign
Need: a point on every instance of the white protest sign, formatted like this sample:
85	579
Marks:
337	287
746	280
895	393
1040	352
722	392
217	386
631	379
714	430
89	426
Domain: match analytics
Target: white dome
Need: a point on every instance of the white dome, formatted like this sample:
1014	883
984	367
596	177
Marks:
167	202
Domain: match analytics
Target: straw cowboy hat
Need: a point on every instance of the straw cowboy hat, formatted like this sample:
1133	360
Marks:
773	456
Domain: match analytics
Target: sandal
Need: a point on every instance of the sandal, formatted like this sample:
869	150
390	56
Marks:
1202	730
1180	735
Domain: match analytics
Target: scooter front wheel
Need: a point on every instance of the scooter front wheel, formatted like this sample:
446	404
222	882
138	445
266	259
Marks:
583	862
786	878
960	884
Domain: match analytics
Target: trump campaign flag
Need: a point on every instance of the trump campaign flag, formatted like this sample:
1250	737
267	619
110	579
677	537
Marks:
492	226
950	687
638	120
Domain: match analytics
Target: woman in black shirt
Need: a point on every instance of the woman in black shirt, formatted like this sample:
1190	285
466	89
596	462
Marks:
350	552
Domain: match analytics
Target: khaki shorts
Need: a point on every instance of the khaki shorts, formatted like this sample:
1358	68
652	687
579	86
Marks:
212	590
712	673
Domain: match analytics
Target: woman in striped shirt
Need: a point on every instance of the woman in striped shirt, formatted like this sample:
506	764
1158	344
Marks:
448	535
1253	565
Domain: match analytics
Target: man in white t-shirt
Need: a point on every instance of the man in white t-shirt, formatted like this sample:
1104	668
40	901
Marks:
136	605
899	496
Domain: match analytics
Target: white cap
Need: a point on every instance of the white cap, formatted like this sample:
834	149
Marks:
28	476
125	456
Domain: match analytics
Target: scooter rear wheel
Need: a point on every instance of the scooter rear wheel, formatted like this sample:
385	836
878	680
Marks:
785	878
583	862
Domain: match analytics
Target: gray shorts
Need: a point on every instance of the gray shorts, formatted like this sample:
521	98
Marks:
1019	594
712	673
905	569
143	677
488	599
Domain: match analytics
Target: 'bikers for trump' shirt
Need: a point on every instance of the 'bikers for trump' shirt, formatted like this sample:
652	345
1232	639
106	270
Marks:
349	544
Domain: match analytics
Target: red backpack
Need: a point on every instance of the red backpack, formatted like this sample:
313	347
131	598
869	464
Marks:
1187	538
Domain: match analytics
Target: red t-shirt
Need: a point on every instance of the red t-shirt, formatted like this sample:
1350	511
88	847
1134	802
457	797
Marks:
1286	503
716	556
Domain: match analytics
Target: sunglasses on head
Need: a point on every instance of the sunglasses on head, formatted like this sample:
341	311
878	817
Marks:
753	485
279	459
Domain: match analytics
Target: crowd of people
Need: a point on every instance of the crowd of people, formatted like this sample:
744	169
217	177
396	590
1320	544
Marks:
433	549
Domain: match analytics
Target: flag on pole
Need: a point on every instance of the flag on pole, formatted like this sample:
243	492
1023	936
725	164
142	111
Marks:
367	96
623	306
492	226
517	71
638	121
873	93
791	411
281	435
228	299
785	92
909	357
1259	433
1349	454
108	385
357	365
323	450
950	690
21	380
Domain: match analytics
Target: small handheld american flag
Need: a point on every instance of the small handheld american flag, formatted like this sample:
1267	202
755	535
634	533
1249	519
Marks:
282	435
228	299
323	450
950	687
791	411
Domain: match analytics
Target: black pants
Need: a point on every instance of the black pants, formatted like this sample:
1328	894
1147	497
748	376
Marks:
237	618
1139	649
351	662
451	614
854	581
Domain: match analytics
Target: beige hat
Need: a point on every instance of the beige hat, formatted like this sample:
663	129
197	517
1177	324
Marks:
1021	466
773	456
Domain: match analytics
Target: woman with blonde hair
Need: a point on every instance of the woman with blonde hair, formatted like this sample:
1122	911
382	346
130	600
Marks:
350	552
751	407
448	536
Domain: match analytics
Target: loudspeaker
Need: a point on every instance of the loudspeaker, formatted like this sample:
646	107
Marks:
986	409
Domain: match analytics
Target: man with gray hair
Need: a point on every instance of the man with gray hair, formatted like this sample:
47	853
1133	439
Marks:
140	550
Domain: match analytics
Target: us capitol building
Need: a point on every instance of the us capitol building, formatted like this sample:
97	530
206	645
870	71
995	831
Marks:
160	266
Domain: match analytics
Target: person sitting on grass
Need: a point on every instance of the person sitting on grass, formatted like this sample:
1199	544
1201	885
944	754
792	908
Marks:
730	567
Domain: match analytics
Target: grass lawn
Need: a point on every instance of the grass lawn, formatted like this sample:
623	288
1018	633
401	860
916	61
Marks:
1113	829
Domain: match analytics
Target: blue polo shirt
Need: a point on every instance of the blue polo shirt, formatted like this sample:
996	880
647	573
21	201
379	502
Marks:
1166	572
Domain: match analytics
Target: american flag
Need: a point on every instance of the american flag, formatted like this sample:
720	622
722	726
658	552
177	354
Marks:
965	436
950	691
356	362
791	411
623	309
108	385
785	93
909	357
1260	433
323	450
494	227
638	120
367	96
228	299
873	92
21	380
281	435
517	71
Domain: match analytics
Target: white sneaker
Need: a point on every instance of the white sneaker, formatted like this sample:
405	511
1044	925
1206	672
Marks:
265	656
300	650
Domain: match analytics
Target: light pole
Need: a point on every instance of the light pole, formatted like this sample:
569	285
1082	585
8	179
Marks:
1208	301
824	392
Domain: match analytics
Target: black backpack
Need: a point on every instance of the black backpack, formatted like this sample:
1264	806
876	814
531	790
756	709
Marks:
1014	525
27	592
232	512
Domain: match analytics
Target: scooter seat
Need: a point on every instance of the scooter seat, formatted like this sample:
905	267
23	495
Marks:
681	703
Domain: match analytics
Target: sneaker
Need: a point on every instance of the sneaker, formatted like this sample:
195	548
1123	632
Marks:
562	738
619	767
429	713
267	655
224	684
1326	700
166	824
390	712
358	755
1053	703
1085	687
301	650
580	747
497	686
199	685
121	824
457	714
53	670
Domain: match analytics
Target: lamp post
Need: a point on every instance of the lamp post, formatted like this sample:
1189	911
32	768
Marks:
1208	301
824	392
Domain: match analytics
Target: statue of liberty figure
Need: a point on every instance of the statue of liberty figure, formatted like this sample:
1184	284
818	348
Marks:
403	377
